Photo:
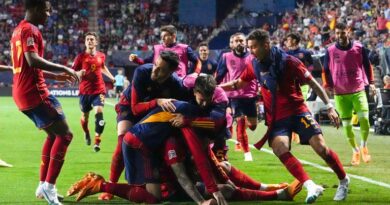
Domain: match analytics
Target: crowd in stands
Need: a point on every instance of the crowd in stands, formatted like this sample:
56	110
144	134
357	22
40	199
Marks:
315	20
122	25
63	32
134	25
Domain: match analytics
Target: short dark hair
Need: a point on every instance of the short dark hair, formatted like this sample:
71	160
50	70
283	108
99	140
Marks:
171	58
90	33
169	28
203	44
341	26
294	36
205	85
29	4
259	35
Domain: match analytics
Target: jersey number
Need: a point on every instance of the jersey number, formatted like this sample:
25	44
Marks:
15	56
307	121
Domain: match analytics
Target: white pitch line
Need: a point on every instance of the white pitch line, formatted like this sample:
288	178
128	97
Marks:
365	179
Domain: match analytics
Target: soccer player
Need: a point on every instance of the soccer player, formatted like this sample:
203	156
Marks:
153	86
176	157
280	76
347	72
92	87
143	139
119	83
208	66
292	44
32	97
186	54
242	101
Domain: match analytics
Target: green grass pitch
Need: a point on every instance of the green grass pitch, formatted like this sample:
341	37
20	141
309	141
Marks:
20	145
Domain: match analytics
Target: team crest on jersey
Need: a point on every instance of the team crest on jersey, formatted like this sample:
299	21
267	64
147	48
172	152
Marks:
171	154
149	89
301	55
99	60
30	41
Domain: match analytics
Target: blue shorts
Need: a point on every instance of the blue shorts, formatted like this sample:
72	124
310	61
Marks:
46	113
140	168
303	124
243	106
124	113
87	101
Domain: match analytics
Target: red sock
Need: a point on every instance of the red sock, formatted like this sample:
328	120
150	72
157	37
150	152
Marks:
253	195
334	163
294	167
245	143
239	130
241	133
137	194
45	158
84	125
117	164
240	179
57	156
97	140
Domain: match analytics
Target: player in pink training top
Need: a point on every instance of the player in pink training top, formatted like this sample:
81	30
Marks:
32	97
185	52
280	76
92	86
243	100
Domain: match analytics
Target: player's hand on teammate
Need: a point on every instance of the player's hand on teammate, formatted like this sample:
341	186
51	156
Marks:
219	197
178	120
166	104
132	57
334	117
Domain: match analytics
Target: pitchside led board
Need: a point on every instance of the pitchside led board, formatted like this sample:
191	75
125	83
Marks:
64	92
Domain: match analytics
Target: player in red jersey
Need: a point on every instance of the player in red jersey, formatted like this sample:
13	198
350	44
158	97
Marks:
32	97
280	76
92	87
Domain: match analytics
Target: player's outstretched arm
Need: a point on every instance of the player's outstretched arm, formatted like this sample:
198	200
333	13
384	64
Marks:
34	60
5	68
185	182
233	85
332	114
107	73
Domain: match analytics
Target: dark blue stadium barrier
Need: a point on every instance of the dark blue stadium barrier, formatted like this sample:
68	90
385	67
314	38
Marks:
198	12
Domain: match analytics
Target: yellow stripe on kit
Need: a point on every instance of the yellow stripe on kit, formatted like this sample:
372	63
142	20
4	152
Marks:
159	117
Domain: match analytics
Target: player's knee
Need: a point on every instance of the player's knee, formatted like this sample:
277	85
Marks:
280	149
68	137
99	123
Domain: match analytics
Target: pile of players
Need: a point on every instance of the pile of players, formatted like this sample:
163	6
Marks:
172	122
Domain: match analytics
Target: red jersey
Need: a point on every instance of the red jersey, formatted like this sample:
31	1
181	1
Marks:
29	88
92	82
289	99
